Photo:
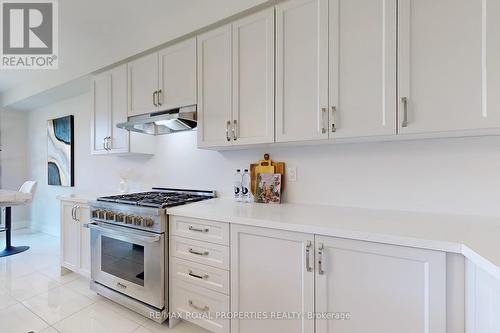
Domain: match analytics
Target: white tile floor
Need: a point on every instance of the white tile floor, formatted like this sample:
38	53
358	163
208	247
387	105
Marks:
34	297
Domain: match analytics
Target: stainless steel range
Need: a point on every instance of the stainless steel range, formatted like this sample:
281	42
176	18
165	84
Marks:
129	247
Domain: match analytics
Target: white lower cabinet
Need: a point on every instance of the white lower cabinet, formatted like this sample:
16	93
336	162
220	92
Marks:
383	288
75	237
200	306
483	300
199	272
269	274
358	286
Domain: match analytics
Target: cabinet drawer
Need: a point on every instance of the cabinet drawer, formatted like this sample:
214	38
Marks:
204	230
200	275
201	252
201	303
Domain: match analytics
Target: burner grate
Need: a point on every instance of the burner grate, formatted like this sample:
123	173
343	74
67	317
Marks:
157	199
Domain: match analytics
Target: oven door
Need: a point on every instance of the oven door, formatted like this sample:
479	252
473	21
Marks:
129	261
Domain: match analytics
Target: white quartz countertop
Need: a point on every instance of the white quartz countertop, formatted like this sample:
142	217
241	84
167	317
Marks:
79	197
13	198
476	237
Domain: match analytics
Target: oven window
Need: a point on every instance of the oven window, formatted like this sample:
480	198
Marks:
123	259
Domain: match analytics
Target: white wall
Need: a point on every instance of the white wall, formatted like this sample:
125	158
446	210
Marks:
447	175
13	158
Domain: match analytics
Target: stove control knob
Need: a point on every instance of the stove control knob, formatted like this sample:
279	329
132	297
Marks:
149	222
110	216
139	221
120	218
129	219
95	213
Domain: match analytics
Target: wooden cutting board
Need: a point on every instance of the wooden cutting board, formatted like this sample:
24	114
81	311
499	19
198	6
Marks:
266	166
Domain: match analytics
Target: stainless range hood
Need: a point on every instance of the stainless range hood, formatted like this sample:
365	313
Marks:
163	122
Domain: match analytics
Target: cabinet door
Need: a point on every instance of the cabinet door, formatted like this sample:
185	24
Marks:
83	216
362	68
142	83
214	87
101	103
253	78
119	137
178	75
372	281
269	274
70	234
302	70
444	56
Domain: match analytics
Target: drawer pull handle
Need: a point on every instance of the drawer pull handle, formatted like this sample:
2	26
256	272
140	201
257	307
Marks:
308	254
204	253
201	277
191	228
321	269
199	308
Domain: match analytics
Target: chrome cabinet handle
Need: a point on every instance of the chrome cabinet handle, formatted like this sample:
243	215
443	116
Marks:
159	97
201	277
404	100
321	247
108	143
104	143
227	131
235	127
323	113
199	308
191	228
204	253
308	254
73	213
155	95
118	231
121	285
76	211
334	110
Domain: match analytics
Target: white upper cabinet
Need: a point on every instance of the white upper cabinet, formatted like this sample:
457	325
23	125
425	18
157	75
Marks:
119	138
362	68
177	75
448	65
236	83
109	108
373	281
253	78
143	85
163	80
214	88
101	105
302	70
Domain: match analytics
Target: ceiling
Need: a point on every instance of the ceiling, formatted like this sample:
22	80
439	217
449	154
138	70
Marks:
94	34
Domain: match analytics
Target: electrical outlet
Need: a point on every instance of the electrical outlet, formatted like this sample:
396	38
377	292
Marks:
291	174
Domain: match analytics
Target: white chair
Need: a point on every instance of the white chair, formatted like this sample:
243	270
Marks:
28	187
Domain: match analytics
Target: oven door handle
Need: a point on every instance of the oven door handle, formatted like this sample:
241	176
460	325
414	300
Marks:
147	239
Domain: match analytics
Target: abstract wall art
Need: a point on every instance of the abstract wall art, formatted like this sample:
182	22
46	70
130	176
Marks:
60	152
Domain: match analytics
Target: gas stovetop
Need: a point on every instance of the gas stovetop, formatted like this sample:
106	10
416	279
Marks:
160	198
